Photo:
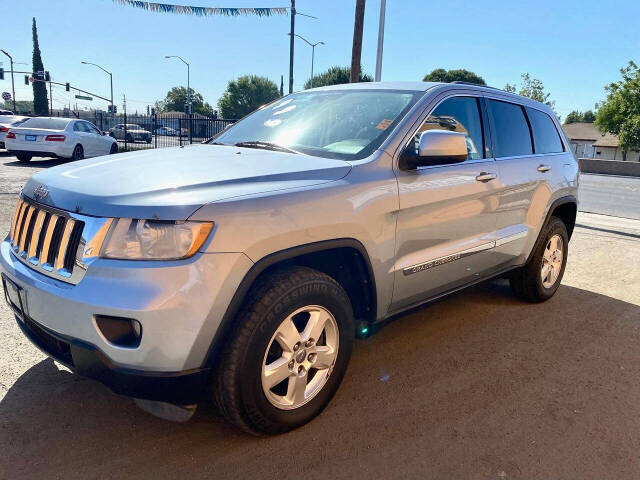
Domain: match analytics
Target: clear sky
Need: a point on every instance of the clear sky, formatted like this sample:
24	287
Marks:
574	46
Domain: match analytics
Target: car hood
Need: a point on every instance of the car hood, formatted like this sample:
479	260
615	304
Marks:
171	183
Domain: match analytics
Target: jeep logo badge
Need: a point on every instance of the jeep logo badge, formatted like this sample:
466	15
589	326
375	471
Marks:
40	192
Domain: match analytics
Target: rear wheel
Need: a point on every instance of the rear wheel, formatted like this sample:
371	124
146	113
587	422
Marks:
23	158
288	354
113	149
539	279
78	153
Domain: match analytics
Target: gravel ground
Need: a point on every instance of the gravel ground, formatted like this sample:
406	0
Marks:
476	386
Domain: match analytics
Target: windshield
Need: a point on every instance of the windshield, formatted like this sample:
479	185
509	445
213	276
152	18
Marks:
46	123
342	124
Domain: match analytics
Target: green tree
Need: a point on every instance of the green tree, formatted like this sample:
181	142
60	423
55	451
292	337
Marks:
619	114
589	116
576	116
177	98
246	94
335	76
22	106
573	116
448	76
532	88
40	101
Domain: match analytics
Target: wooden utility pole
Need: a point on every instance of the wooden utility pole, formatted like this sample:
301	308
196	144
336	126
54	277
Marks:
292	33
356	52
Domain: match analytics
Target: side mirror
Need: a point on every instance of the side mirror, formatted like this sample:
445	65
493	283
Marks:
437	147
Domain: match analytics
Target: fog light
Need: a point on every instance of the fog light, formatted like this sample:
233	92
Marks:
122	332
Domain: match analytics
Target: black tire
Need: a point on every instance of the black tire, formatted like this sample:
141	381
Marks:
113	149
78	153
526	282
237	387
23	158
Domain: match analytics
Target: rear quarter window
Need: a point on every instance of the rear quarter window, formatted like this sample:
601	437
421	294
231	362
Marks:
546	138
511	135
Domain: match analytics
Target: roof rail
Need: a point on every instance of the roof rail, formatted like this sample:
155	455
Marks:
461	82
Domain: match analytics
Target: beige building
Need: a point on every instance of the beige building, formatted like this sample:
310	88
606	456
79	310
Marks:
587	142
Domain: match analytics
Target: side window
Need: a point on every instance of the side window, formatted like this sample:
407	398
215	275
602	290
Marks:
546	138
457	114
511	136
91	128
77	127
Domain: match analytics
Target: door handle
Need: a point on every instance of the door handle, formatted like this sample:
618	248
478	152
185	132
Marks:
544	168
485	177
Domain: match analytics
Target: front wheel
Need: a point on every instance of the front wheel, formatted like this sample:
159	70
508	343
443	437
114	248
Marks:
539	279
288	354
113	149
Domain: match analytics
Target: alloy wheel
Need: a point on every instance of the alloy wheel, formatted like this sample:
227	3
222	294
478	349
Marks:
300	357
552	258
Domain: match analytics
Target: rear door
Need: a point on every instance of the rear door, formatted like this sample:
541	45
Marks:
446	220
525	141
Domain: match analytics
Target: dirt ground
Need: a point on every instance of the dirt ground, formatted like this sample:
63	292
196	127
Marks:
477	386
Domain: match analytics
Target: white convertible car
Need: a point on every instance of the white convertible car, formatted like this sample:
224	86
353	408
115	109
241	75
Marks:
58	138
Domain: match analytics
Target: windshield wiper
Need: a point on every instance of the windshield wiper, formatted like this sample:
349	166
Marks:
265	146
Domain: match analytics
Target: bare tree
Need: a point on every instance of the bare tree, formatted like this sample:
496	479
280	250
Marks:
356	52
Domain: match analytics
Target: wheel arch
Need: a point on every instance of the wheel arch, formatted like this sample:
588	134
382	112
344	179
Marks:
345	260
566	209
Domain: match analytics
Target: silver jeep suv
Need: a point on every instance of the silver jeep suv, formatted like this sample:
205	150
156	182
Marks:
242	269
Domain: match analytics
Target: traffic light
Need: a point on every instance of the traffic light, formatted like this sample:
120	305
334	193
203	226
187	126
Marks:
1	73
67	87
47	77
26	79
112	109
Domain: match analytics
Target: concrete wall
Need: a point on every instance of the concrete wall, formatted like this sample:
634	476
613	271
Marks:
610	167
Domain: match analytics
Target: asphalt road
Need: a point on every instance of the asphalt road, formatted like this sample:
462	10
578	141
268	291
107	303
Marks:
477	386
610	195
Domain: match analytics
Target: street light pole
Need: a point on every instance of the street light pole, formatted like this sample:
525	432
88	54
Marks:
13	85
313	51
383	6
110	79
188	79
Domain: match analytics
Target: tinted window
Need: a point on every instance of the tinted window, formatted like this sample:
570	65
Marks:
545	136
511	136
46	123
457	114
91	128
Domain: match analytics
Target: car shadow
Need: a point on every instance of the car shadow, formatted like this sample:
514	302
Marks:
38	163
479	385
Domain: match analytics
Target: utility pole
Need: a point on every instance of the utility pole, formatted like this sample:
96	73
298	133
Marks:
13	85
383	7
51	99
292	43
356	52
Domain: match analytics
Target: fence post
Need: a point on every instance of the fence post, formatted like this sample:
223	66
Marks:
126	144
155	131
180	129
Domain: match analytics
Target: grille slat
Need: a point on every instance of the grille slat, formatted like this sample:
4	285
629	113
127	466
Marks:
25	227
16	215
45	240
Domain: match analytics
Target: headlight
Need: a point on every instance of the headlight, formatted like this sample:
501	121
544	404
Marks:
132	239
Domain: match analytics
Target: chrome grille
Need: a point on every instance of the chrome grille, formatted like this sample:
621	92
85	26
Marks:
47	240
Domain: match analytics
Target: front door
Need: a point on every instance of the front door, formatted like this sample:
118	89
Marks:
446	223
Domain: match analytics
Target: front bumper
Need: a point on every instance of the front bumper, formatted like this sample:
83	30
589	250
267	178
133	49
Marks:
182	388
178	303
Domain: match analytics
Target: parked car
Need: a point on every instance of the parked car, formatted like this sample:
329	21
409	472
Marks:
6	112
131	133
241	269
59	138
167	131
6	122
